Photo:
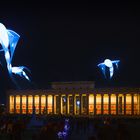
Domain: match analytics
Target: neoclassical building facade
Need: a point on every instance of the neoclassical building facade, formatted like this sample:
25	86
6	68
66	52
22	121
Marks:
75	98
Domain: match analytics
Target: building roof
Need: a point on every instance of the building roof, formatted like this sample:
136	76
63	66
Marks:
76	87
122	90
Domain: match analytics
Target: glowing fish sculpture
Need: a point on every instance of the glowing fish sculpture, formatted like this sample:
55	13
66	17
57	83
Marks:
8	41
110	64
63	134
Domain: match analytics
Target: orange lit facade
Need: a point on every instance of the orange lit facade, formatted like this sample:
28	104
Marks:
75	98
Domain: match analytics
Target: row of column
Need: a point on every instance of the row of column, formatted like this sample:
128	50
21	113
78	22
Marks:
60	107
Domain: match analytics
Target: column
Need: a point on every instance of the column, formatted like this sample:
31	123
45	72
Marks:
55	104
95	104
124	104
8	104
66	104
73	97
116	104
39	104
20	104
60	104
132	104
81	104
26	104
102	103
87	97
139	103
52	104
14	104
33	106
46	104
109	105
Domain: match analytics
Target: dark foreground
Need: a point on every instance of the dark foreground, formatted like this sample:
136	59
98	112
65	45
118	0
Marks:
16	127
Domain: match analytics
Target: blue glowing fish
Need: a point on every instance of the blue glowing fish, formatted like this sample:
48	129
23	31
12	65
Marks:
8	41
110	64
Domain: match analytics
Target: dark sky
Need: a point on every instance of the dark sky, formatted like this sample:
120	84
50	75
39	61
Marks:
65	42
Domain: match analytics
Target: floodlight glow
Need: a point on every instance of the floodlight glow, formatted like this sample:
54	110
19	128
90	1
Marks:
8	41
64	99
78	103
110	64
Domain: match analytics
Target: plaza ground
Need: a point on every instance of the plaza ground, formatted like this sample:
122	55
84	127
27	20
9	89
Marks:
82	128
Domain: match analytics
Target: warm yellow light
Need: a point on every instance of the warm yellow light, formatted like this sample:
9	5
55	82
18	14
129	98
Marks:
91	99
105	99
17	99
30	99
128	99
135	99
24	104
98	99
43	99
11	99
49	99
23	99
11	104
49	103
30	104
36	99
113	99
91	103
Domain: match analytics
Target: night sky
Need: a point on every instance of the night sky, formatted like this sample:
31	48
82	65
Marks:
65	42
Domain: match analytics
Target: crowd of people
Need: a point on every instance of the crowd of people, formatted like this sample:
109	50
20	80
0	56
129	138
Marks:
15	127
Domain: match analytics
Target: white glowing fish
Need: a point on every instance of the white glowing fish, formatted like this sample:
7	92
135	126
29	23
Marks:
110	64
8	41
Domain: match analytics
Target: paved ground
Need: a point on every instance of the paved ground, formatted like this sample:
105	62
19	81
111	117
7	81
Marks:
79	134
75	135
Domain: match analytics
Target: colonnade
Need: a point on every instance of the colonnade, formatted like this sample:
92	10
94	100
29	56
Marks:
76	104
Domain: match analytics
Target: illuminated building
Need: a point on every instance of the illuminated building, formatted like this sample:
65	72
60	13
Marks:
75	98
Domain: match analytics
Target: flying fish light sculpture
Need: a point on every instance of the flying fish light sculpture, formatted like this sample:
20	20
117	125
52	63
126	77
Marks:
8	42
108	64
